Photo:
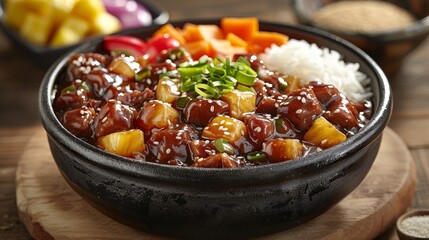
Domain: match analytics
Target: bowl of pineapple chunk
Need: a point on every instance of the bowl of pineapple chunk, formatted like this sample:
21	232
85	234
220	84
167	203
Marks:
217	129
46	29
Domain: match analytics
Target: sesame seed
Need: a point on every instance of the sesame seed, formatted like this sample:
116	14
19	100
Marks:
298	111
222	122
212	109
155	143
303	100
148	81
82	112
337	110
178	138
168	151
104	119
276	105
258	129
323	141
227	133
242	132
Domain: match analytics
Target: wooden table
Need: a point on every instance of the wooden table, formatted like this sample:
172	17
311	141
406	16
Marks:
20	78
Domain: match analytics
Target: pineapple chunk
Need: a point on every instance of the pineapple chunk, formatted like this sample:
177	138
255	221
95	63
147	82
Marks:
324	134
157	114
281	150
17	10
225	127
64	36
71	31
78	25
240	102
36	28
105	23
167	90
123	143
88	9
61	10
121	67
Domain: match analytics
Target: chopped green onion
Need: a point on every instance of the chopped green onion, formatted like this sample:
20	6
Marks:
211	78
257	156
143	74
181	102
206	91
222	145
245	88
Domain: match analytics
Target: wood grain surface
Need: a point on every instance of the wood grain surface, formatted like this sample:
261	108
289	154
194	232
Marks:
50	209
20	78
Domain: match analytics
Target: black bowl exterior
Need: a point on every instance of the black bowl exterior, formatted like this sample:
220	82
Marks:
219	203
46	56
388	49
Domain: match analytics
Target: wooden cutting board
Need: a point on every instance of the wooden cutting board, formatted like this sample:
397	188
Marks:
50	209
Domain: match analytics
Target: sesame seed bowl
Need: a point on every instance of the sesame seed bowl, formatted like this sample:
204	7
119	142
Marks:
388	32
226	203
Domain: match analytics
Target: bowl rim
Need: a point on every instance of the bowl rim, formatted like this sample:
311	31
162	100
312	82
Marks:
419	27
369	133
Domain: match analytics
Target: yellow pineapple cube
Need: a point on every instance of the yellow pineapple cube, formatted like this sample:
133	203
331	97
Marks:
121	67
157	114
61	10
71	31
36	29
78	25
226	127
124	143
88	9
15	11
240	102
281	150
167	90
324	134
64	37
105	23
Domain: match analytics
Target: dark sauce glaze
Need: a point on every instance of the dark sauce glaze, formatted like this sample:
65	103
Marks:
92	102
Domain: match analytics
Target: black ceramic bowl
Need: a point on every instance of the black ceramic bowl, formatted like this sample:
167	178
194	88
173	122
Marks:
388	48
196	203
45	56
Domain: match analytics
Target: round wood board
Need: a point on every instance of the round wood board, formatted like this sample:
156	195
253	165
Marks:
50	209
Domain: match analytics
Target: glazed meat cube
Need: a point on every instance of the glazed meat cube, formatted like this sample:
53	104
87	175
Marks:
169	144
326	93
259	128
201	111
114	117
78	121
301	108
342	113
135	98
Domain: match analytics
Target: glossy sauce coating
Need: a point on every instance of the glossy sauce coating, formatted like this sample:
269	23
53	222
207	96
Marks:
96	98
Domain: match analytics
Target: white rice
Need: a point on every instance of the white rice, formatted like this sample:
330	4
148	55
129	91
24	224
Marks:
311	63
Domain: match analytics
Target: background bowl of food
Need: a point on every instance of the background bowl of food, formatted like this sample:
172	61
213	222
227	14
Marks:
387	30
237	145
47	29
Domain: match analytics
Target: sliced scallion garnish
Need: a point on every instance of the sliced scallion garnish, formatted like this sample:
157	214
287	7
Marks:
222	145
212	78
257	156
